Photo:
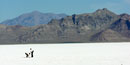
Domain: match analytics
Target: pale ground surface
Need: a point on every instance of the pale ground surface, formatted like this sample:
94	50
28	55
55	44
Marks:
66	54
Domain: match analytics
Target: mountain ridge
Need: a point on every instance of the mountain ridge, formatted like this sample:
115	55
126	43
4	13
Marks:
99	26
73	28
34	18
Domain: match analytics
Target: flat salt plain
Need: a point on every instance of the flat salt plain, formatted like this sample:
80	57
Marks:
67	54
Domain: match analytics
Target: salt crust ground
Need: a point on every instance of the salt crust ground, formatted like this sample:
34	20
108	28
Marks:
67	54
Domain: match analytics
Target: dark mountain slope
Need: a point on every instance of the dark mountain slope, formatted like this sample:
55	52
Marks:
118	31
122	25
108	36
8	34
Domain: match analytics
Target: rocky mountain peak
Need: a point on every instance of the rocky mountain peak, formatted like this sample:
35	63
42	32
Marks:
103	12
125	17
104	9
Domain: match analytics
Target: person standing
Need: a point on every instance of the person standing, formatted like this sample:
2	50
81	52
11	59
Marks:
31	51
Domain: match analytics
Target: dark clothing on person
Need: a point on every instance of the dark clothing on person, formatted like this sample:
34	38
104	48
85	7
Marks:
27	55
32	53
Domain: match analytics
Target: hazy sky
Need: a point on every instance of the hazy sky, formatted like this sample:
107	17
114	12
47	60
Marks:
13	8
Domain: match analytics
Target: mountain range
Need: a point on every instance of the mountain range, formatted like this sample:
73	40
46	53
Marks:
99	26
34	18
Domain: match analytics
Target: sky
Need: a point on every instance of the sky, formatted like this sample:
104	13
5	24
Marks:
12	8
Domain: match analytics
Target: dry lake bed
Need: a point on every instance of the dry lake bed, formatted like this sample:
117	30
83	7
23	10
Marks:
67	54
